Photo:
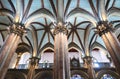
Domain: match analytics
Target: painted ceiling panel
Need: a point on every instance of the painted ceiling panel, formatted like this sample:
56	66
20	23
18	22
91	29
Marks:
76	41
40	34
79	20
26	2
4	20
38	27
110	3
14	2
95	3
91	37
70	39
117	4
81	35
82	25
51	39
36	4
65	3
85	5
45	40
72	5
25	40
48	6
100	41
114	18
30	37
6	4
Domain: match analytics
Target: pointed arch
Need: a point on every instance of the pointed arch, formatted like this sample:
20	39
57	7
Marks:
6	12
78	12
38	14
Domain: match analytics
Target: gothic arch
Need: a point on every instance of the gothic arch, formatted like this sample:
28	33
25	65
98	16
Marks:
14	75
79	72
44	74
102	72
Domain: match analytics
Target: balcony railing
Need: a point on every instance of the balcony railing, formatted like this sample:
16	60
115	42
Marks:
50	65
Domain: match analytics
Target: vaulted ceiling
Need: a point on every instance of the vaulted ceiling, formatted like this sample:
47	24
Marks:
41	17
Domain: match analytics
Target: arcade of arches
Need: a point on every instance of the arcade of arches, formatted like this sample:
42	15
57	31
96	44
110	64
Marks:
59	39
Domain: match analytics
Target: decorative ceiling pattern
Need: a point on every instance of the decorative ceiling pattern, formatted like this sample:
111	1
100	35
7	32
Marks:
41	17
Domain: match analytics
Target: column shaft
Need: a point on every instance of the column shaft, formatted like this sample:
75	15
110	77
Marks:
114	43
61	60
33	64
10	51
18	59
113	48
3	52
105	30
16	30
88	61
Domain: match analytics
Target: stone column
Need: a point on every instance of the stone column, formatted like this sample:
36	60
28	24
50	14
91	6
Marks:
34	61
18	59
61	60
110	59
88	61
105	30
16	30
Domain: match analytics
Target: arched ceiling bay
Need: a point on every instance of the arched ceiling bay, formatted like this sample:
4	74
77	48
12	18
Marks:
40	17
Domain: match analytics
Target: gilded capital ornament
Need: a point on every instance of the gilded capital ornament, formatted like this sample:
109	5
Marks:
103	27
60	28
17	28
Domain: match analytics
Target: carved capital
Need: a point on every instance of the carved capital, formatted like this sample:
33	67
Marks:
88	59
103	27
34	61
17	28
60	28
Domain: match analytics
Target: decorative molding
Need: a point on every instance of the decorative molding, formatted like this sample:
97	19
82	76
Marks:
34	61
60	28
88	59
104	27
17	28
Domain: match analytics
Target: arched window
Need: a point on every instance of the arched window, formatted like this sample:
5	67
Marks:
100	58
76	76
73	53
47	59
24	61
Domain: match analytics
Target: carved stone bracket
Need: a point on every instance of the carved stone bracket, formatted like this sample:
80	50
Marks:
17	28
104	27
60	28
88	59
34	61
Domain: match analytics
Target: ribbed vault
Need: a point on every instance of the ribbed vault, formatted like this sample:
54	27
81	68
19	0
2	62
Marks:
41	16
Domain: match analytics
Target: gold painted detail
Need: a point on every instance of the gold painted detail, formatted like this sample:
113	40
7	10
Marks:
104	27
17	28
60	28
